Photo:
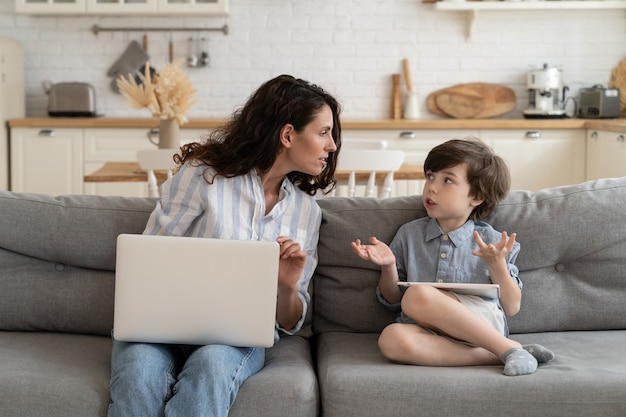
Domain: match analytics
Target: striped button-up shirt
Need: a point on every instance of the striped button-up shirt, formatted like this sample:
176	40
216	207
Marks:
234	208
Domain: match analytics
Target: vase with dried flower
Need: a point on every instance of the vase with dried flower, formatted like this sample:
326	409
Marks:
168	94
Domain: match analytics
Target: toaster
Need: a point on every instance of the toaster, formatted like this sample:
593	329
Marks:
72	99
598	102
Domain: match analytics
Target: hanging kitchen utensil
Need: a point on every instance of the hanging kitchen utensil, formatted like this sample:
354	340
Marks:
171	48
133	58
139	75
192	58
205	60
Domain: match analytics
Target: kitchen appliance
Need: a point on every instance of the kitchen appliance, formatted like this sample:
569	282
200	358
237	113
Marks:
546	93
598	102
12	98
72	99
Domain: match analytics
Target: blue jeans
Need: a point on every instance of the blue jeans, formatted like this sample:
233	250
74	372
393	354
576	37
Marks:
157	380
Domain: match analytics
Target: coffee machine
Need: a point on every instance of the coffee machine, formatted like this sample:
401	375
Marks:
546	94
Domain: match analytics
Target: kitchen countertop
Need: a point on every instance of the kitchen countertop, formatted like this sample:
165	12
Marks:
612	125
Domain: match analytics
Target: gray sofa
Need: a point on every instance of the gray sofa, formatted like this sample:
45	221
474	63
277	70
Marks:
57	257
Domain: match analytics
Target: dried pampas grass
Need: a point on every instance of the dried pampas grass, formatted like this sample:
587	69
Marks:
168	94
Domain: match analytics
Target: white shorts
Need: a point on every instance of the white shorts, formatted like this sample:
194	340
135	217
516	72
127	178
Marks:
486	310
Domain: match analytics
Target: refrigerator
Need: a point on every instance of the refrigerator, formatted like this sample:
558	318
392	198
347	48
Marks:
12	98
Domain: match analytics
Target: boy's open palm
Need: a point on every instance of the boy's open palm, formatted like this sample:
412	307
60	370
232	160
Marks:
492	253
376	252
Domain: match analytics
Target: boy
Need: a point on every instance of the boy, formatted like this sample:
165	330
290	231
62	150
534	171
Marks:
465	181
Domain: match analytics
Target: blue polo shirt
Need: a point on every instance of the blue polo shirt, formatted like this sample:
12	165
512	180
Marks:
424	253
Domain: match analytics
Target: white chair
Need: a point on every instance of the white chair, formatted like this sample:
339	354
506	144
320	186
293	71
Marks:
363	144
155	160
370	161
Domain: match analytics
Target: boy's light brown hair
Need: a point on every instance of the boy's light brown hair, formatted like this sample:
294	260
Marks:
487	173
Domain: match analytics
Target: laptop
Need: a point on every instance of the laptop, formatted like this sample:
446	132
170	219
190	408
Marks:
199	291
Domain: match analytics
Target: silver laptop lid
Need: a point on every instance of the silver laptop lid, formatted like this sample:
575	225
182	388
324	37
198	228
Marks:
195	290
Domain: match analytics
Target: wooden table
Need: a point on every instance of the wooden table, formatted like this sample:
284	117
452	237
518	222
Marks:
131	172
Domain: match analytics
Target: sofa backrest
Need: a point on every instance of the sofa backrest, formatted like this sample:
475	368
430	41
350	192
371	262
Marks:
57	257
572	260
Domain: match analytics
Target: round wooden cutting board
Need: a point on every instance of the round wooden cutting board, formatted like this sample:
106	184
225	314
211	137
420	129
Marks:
472	101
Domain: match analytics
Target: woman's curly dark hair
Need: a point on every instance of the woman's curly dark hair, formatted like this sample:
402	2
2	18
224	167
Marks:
487	173
251	138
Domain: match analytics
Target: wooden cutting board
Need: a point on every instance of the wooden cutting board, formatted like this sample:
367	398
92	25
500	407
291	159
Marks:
472	101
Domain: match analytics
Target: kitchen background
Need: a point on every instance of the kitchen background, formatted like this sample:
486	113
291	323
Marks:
349	47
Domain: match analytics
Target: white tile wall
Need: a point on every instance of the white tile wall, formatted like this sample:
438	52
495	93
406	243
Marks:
350	47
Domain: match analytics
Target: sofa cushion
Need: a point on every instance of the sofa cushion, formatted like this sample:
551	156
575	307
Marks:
57	257
286	386
586	379
63	375
78	230
40	295
54	375
344	297
571	260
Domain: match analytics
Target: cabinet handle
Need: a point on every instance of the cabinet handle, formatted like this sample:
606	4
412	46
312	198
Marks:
153	136
620	138
407	135
46	132
594	135
533	134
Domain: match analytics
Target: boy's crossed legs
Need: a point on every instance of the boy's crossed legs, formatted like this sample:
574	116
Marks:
462	338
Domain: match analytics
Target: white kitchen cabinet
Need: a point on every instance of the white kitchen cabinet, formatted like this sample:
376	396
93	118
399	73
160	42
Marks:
540	158
537	158
55	160
121	7
415	143
57	163
47	161
606	154
50	6
193	6
113	145
103	145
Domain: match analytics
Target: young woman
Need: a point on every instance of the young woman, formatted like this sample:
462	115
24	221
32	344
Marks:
253	179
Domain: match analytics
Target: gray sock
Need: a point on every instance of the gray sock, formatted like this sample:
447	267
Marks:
540	353
518	361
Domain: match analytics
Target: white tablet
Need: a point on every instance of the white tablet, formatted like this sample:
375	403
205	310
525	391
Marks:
481	290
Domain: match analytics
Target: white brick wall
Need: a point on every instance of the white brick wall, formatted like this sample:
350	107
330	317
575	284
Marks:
350	47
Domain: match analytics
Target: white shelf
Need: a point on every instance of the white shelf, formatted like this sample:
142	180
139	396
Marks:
473	7
530	5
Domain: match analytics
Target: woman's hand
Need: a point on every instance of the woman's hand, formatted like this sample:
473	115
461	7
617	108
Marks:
292	260
291	263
